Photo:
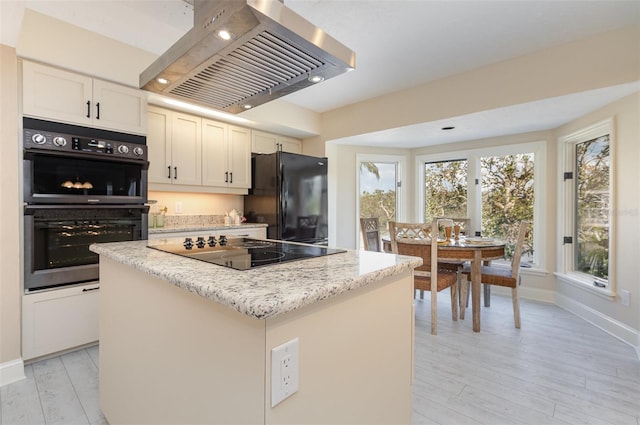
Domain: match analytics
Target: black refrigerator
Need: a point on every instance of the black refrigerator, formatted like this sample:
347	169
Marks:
289	194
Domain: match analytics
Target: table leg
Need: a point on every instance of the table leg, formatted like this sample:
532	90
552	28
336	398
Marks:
476	276
487	288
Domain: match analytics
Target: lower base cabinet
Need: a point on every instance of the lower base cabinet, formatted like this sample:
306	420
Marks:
60	319
252	232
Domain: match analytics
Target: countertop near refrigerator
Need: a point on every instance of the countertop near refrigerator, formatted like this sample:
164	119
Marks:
184	341
265	291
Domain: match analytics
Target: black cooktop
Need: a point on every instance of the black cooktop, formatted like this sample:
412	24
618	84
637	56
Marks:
241	253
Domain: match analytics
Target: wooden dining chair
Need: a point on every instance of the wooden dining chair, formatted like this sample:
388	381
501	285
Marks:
370	228
498	276
428	276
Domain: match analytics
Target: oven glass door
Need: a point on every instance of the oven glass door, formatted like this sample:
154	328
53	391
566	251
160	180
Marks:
63	179
57	249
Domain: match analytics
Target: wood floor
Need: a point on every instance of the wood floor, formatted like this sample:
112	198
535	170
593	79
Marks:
557	369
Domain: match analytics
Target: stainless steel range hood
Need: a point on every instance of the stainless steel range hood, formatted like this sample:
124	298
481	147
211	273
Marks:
272	52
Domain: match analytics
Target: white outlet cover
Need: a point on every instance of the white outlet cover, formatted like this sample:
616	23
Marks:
284	371
625	297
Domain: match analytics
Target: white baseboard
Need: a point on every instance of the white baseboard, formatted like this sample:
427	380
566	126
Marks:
613	327
12	371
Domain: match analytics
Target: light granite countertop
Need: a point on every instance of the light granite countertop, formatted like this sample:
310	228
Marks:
267	291
203	227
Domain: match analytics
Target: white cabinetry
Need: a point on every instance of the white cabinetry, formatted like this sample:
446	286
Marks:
226	155
59	95
193	154
174	143
262	142
288	144
244	232
60	319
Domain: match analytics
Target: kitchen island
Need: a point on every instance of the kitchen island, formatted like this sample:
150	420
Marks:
184	341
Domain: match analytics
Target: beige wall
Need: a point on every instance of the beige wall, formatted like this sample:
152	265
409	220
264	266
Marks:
10	213
79	50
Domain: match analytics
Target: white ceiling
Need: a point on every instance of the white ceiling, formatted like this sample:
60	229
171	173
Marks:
399	44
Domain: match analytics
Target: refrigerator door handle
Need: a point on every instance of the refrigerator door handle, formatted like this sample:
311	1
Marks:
283	204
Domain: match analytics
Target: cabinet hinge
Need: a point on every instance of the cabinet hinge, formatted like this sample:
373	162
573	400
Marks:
399	183
568	175
567	239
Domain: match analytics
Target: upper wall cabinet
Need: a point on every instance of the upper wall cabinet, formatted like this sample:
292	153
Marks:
262	142
58	95
174	143
188	153
226	155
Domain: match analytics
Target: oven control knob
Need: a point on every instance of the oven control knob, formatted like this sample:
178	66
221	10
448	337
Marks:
138	151
39	139
188	243
212	241
223	240
200	242
59	141
123	149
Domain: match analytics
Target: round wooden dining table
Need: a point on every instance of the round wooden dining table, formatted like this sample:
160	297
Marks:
475	252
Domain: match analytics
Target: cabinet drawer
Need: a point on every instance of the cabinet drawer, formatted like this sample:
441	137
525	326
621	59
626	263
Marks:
60	319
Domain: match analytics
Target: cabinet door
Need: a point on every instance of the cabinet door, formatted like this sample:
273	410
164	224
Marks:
59	320
215	154
186	149
263	142
55	94
159	144
253	232
288	144
239	142
119	108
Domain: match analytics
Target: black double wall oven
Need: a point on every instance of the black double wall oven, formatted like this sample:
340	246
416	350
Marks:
81	186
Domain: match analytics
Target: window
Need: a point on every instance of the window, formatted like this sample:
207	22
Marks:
495	188
508	198
587	191
379	189
592	207
445	189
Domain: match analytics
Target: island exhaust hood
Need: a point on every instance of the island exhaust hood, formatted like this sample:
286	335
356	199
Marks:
243	53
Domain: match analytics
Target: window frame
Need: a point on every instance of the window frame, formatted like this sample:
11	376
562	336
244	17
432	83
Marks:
474	190
401	176
566	208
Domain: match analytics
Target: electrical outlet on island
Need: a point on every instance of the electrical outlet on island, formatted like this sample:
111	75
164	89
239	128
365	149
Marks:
284	371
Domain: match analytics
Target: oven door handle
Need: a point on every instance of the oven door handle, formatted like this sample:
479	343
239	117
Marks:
31	209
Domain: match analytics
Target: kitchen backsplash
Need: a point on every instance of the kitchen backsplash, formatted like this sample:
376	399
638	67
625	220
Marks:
195	204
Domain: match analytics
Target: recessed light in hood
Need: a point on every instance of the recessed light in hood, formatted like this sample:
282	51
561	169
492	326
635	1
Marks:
272	52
